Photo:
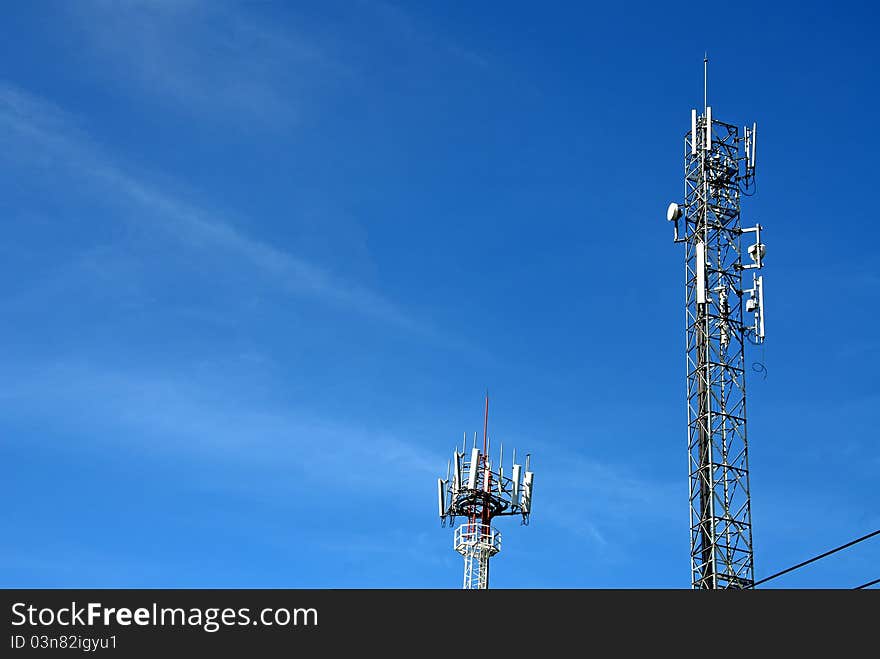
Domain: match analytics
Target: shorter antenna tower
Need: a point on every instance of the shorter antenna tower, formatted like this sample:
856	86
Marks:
478	490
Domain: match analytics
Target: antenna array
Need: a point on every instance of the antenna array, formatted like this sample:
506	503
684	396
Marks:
477	489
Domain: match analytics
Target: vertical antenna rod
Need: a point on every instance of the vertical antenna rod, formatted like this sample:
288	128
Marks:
486	425
705	81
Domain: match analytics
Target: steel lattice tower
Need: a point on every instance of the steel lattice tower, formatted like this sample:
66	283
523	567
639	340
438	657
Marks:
719	167
476	490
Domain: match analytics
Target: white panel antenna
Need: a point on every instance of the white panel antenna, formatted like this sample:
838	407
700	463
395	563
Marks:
754	141
708	144
441	497
700	256
759	284
473	470
527	492
747	137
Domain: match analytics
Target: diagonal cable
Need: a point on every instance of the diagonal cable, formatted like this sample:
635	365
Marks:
816	558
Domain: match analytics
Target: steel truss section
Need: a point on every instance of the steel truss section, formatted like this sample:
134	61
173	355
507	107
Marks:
477	543
720	508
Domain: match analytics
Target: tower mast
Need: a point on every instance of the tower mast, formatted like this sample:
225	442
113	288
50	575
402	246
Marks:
478	491
719	167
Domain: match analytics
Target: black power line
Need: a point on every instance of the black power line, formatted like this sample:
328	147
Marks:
865	585
816	558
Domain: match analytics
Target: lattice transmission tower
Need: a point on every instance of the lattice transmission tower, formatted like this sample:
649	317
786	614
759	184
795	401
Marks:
719	168
478	490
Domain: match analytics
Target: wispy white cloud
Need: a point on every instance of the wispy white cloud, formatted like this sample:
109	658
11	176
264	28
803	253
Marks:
191	415
412	30
209	58
223	60
30	114
76	564
35	129
396	544
598	501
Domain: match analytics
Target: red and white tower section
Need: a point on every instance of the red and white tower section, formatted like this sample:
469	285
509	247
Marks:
477	489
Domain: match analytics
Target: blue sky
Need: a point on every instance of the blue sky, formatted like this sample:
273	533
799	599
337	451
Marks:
262	260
